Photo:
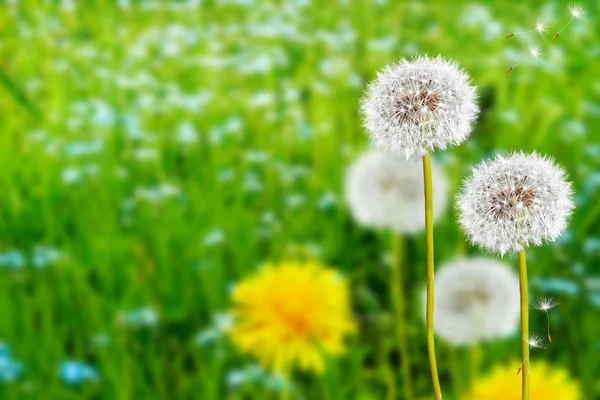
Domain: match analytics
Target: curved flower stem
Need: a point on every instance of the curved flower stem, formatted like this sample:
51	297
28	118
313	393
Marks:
430	274
399	298
524	324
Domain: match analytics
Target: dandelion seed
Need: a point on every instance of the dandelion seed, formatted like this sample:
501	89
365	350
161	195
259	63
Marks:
541	26
535	341
577	12
535	51
545	304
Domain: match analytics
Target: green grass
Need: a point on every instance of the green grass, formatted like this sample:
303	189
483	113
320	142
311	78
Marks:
65	74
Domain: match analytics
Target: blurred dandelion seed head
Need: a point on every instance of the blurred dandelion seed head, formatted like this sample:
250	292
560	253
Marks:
545	303
577	11
541	25
291	314
535	341
476	299
413	107
536	50
513	202
384	192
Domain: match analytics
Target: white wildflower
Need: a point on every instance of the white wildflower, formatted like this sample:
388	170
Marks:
415	106
510	203
384	192
475	299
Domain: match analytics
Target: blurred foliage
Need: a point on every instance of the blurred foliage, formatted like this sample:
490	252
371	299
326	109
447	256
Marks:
152	153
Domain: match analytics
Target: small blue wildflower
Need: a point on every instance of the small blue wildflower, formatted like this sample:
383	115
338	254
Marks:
75	373
214	238
225	175
83	148
143	317
591	246
12	259
327	201
186	133
10	369
252	182
295	200
557	285
249	374
71	175
44	256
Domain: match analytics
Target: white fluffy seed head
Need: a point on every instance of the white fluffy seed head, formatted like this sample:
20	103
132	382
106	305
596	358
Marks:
384	192
511	203
413	107
577	10
545	303
541	25
535	341
475	299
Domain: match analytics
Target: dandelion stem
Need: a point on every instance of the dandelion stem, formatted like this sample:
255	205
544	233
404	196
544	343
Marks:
474	360
524	324
563	28
548	318
430	276
455	369
399	297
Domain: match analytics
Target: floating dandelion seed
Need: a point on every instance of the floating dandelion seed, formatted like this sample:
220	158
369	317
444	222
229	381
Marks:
577	11
534	341
535	51
541	26
545	304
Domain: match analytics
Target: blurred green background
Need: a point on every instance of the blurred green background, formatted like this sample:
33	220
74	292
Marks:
154	153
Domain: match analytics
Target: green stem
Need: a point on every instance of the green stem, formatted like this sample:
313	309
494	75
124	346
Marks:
286	386
475	357
455	369
524	324
430	274
401	324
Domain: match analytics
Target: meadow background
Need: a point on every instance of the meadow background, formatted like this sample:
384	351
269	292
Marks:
154	153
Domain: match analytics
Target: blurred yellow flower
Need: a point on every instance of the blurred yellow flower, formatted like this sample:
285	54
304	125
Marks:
547	383
292	314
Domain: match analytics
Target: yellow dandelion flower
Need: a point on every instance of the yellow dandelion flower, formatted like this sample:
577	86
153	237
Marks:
547	382
292	314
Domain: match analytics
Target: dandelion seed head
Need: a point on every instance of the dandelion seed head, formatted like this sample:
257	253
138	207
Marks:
476	299
515	201
541	25
536	50
536	341
415	106
384	192
577	10
545	303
